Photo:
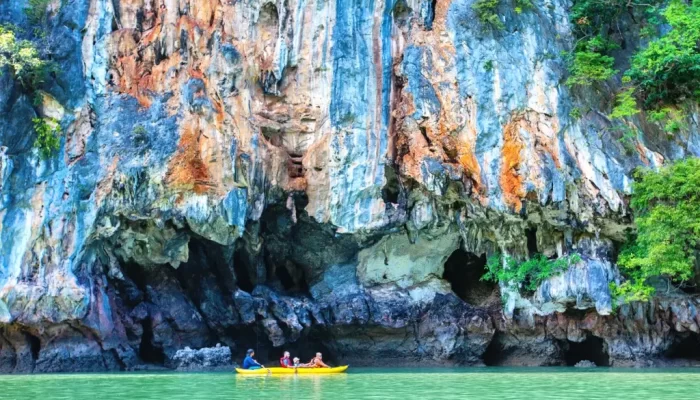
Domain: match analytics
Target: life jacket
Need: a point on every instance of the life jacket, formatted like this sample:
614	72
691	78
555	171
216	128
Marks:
284	362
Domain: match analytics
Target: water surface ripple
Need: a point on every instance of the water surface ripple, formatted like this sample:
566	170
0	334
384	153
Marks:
467	383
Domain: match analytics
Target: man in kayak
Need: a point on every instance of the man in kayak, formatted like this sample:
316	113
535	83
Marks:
285	362
317	362
249	362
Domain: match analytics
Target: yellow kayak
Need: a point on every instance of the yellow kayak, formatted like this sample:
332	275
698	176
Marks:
291	371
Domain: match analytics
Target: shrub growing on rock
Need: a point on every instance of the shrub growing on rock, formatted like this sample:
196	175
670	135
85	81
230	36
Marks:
666	205
22	59
529	274
47	135
668	70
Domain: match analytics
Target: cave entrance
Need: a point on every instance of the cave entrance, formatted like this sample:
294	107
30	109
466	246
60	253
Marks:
531	235
242	271
593	349
292	278
34	345
148	351
464	271
495	354
685	348
306	347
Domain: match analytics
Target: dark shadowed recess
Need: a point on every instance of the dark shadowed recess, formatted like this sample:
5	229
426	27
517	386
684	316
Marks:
592	349
464	271
495	353
685	347
148	351
253	337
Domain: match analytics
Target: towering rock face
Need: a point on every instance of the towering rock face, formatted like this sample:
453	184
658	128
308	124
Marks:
326	173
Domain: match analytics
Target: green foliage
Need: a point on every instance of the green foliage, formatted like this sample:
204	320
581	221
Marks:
667	215
631	290
590	63
587	67
487	13
139	130
22	59
668	70
36	11
625	105
530	273
488	66
522	5
672	118
575	113
47	139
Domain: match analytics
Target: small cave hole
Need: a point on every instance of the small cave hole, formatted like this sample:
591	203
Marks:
148	352
424	132
285	278
495	354
531	235
685	348
464	271
292	278
295	166
593	349
402	12
392	188
34	346
241	269
269	15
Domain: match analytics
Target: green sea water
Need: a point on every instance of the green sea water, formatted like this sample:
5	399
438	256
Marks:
468	383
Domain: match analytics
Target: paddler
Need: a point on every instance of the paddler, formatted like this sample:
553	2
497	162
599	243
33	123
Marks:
249	362
317	362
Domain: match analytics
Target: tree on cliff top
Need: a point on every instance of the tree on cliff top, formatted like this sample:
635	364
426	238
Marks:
666	205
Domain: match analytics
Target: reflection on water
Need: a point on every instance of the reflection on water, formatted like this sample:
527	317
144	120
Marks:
475	383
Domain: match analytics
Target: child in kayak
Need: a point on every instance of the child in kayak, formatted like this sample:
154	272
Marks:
249	362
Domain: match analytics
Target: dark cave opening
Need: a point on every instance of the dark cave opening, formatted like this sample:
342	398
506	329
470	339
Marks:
392	188
531	235
305	348
34	346
241	269
593	349
311	341
464	271
495	353
685	348
148	351
268	15
292	281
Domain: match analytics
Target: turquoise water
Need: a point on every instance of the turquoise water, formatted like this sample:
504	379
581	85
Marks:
468	383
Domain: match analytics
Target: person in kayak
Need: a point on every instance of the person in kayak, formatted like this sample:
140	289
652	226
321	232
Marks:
249	362
317	362
285	362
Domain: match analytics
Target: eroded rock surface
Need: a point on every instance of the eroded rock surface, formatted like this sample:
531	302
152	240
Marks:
205	359
316	175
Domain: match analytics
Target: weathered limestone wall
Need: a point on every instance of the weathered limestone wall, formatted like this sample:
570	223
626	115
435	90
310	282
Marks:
300	171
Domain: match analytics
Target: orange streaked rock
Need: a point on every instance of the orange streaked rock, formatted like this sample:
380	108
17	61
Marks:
510	180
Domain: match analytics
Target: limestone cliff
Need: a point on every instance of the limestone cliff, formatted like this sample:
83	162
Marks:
316	174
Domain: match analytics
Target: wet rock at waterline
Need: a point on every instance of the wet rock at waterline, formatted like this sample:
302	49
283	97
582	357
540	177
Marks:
315	176
205	359
585	364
